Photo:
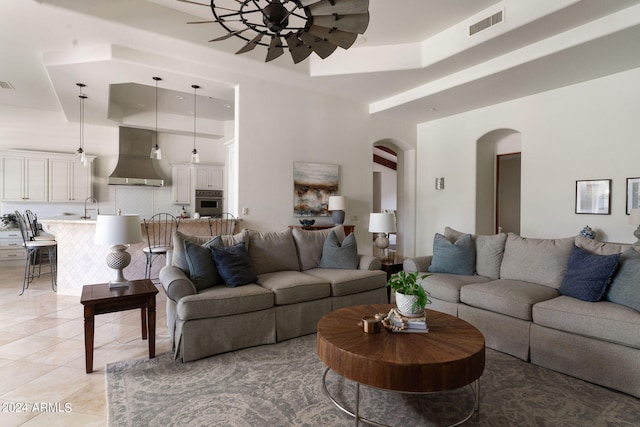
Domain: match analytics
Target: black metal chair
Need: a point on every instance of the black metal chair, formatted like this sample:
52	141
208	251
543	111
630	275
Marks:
159	229
33	251
34	226
223	224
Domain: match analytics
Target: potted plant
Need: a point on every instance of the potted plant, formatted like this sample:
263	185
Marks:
411	297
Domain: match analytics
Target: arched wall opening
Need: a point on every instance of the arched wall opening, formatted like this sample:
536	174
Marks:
405	193
494	188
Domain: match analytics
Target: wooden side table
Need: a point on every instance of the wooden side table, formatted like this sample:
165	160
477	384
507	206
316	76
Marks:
99	299
391	267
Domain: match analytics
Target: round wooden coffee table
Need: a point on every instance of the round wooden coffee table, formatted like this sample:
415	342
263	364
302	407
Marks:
450	356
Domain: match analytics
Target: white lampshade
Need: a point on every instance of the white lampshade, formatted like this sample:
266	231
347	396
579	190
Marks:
118	229
634	216
337	203
382	223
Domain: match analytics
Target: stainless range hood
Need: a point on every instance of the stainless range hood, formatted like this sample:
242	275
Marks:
135	167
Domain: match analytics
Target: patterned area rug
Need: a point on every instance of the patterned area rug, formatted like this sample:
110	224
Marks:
280	385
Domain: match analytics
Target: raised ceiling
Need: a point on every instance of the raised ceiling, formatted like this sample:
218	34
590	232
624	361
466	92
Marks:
416	62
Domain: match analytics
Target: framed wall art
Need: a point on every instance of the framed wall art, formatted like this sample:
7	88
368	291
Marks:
313	183
593	196
633	194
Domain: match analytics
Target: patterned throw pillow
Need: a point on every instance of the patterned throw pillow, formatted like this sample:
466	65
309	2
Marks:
234	265
588	274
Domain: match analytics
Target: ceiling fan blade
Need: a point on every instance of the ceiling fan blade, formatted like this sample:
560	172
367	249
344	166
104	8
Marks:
299	50
226	36
349	23
344	7
321	47
275	49
205	22
306	3
252	44
339	38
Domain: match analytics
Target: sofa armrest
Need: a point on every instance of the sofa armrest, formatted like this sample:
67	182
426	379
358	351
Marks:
368	262
176	284
420	263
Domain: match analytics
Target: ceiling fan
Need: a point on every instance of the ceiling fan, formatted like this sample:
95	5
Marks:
302	26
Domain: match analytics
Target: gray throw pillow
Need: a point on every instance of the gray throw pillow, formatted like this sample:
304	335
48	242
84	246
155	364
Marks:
489	251
588	274
341	256
625	289
457	257
202	268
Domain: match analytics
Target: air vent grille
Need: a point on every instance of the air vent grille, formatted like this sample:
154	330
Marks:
5	85
485	23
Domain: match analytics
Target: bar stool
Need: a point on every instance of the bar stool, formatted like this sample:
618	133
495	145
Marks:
32	221
223	224
159	229
33	248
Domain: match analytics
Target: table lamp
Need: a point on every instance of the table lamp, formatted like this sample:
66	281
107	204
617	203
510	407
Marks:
118	231
382	223
337	204
634	219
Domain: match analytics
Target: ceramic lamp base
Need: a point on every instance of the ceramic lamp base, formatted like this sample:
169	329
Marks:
337	217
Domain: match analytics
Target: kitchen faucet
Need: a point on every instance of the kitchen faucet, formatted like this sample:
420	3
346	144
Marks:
93	201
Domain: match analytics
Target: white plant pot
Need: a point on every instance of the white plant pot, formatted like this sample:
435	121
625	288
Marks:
405	305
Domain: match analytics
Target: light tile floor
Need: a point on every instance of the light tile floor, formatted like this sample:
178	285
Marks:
42	365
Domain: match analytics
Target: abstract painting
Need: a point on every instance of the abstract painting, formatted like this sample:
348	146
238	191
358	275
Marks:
313	183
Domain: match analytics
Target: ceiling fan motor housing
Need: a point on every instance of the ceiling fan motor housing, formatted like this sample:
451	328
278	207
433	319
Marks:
276	17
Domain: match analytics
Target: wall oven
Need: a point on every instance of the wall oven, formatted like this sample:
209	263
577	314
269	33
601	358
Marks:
209	202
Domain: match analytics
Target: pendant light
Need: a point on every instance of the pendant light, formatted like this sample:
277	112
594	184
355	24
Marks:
82	156
155	150
195	157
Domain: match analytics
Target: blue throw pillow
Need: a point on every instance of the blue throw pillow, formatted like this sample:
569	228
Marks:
625	288
202	269
233	265
453	258
588	275
342	256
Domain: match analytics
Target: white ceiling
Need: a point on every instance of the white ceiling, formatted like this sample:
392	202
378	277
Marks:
416	61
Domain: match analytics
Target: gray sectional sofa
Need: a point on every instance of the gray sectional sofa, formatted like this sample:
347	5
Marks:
539	300
291	288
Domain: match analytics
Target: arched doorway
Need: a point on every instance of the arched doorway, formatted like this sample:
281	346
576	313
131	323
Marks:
404	178
498	163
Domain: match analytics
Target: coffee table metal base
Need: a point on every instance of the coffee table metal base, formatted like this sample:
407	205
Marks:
475	410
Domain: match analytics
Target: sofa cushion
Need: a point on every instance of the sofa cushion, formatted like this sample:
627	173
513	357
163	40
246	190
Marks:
542	261
599	248
625	288
309	245
489	251
272	251
220	301
290	287
446	287
348	282
202	269
511	297
179	257
342	256
588	275
602	320
457	257
234	265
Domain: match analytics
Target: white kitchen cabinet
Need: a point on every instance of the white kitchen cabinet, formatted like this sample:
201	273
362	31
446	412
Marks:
181	184
70	180
24	178
11	248
208	177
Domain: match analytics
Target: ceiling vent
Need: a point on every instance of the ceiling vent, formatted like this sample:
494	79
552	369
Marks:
5	85
485	23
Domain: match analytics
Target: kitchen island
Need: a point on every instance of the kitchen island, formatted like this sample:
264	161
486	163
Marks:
81	261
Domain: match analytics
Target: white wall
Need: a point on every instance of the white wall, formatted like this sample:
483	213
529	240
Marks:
279	125
584	131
